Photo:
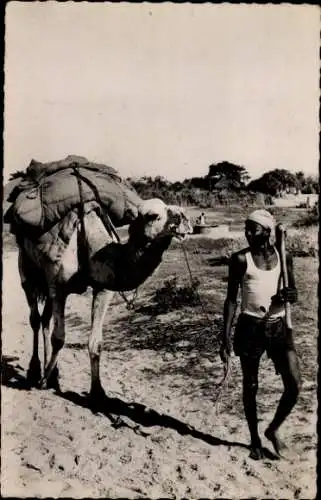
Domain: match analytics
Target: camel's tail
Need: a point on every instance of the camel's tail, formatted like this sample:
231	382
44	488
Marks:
32	277
40	288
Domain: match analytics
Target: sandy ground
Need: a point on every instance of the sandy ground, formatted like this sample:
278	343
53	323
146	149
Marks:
170	441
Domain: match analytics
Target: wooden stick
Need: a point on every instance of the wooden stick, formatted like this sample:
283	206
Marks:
280	234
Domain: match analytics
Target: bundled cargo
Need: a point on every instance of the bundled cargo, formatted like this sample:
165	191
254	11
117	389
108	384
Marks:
49	191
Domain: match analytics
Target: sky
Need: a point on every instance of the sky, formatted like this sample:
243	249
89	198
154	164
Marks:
162	89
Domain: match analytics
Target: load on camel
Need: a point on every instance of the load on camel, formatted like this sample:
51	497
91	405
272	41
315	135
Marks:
64	216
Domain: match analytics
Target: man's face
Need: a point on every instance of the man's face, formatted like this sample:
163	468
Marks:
256	234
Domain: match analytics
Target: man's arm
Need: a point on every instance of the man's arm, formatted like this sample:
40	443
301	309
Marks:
237	268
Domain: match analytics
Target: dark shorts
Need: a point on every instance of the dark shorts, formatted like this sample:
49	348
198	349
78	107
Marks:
253	337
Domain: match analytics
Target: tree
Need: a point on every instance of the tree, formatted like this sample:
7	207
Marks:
17	175
300	178
196	182
274	182
227	175
311	185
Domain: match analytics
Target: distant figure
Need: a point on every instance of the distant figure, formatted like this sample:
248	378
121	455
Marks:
202	219
308	202
261	325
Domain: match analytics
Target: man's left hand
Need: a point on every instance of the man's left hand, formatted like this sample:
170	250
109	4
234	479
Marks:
285	295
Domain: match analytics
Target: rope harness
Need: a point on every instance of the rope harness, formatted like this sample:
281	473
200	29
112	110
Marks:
82	247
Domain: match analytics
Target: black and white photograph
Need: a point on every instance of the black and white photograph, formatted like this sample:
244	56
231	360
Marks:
160	250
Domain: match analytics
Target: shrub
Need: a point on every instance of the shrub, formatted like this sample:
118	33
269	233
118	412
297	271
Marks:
310	219
171	296
303	243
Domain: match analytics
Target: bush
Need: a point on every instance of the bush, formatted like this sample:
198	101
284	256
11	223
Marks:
303	243
171	296
310	219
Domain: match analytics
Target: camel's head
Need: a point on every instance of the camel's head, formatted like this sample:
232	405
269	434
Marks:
156	219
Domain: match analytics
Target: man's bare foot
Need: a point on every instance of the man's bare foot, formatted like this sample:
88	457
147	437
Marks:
275	440
256	453
256	450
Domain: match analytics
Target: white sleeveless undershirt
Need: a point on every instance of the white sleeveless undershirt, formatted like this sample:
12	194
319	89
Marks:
257	288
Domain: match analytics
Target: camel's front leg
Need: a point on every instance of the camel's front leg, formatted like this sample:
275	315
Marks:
50	378
101	301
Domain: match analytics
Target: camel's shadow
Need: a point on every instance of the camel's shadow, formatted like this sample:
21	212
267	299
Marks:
115	408
10	374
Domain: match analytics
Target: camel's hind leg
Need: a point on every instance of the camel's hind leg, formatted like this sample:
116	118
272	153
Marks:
101	301
50	378
34	370
45	322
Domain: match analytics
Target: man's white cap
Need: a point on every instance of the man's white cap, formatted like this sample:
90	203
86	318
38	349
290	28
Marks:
263	217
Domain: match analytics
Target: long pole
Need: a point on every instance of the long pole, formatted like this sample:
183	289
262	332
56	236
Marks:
280	234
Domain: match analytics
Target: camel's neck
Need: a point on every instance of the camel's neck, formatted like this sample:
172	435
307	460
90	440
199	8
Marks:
146	253
154	249
126	266
142	258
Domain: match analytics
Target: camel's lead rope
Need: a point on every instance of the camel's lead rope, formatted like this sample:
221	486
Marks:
192	282
228	365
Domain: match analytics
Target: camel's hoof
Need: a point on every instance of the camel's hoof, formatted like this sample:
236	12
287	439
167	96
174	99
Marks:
34	373
50	383
53	380
43	383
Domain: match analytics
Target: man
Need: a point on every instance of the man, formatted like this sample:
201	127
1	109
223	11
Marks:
256	270
202	219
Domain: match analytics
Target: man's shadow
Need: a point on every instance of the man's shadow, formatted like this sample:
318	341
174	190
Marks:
114	408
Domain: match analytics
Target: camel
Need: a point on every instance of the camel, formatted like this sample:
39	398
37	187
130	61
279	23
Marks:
116	267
